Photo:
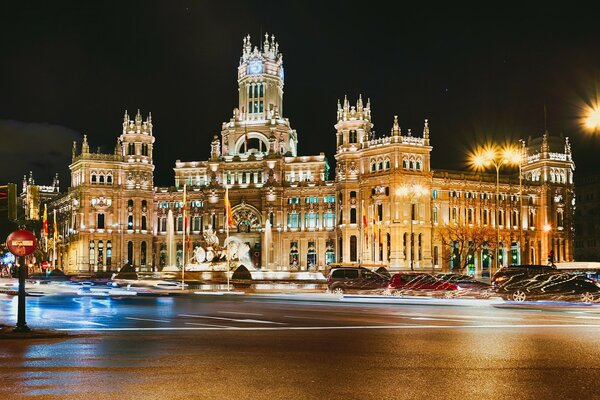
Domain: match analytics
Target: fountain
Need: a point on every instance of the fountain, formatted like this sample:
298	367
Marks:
171	262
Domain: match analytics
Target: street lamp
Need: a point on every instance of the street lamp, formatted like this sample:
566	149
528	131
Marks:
497	157
591	120
411	192
548	229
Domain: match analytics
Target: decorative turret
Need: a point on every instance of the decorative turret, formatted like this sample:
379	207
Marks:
354	123
215	148
396	131
85	147
74	151
260	79
426	132
137	139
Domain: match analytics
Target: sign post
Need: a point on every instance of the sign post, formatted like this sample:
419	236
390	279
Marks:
21	243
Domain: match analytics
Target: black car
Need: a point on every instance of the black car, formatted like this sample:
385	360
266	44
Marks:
467	285
355	279
551	286
514	273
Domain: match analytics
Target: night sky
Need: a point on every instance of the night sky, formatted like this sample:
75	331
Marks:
69	68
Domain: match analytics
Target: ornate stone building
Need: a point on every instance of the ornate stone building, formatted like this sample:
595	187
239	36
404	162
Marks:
384	208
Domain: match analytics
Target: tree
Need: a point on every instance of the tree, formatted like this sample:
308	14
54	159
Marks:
466	240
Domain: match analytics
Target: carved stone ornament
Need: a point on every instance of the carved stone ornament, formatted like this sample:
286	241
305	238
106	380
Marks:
101	202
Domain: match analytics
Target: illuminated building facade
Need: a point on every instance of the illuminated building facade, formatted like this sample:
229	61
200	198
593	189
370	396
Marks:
291	212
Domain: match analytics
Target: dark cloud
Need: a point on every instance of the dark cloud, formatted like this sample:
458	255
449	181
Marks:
44	149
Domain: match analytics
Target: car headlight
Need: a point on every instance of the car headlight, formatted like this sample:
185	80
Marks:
458	287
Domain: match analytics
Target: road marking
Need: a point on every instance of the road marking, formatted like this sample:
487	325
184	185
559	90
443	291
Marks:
256	321
75	322
454	316
436	319
147	319
298	317
238	313
316	328
215	326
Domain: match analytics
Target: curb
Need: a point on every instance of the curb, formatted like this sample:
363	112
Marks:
6	333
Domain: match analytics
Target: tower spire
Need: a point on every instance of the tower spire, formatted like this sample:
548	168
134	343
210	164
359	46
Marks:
426	132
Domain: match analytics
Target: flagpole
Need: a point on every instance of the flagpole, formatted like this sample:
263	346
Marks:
227	207
54	236
183	241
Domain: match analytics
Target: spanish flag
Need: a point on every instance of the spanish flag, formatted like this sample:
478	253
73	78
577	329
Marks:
228	210
374	223
185	218
54	227
45	223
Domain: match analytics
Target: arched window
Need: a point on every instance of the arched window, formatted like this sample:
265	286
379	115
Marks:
353	215
108	253
179	223
130	203
130	253
101	179
144	205
410	164
373	166
380	166
196	223
100	224
130	222
131	149
109	179
387	164
144	223
94	178
353	251
418	167
100	252
404	165
353	137
92	253
143	253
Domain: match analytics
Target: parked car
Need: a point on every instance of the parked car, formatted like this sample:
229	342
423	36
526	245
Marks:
550	286
355	279
467	285
419	283
513	273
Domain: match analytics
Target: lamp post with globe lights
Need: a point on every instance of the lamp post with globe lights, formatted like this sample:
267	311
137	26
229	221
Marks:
497	157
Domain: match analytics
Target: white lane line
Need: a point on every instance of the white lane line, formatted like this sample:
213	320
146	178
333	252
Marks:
587	317
214	326
436	319
75	322
147	319
255	321
238	313
298	317
454	316
316	328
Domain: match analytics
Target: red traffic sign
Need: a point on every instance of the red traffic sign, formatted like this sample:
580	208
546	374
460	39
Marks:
21	243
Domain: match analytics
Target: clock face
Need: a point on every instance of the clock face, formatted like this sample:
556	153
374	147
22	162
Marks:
255	67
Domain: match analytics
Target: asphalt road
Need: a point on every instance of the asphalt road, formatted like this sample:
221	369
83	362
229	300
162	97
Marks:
244	347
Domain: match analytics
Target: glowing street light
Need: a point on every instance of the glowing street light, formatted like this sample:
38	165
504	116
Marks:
497	157
592	118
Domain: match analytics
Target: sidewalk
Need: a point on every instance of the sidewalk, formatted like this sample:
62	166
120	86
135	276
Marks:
6	332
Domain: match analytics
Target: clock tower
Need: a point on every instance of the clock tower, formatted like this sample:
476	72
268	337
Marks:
257	126
260	79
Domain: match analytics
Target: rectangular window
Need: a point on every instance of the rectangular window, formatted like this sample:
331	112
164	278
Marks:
380	212
328	219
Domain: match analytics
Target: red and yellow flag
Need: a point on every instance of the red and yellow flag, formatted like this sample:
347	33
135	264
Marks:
185	218
45	222
374	223
228	210
54	227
